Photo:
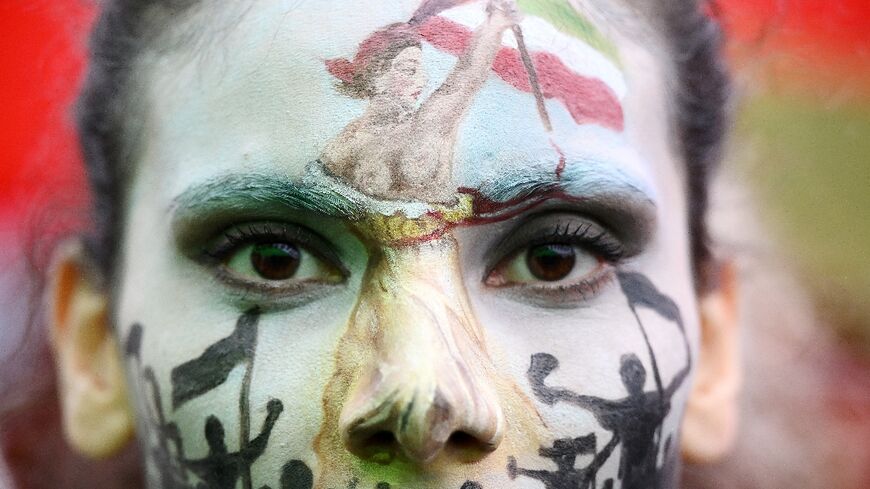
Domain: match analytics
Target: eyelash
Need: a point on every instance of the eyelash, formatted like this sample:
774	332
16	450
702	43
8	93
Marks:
601	244
234	239
586	235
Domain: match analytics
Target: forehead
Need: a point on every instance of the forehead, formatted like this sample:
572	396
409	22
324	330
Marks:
251	92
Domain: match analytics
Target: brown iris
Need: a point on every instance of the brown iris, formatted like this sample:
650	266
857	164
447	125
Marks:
551	262
275	261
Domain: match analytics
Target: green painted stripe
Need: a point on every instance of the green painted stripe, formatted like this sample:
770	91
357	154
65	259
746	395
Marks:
561	15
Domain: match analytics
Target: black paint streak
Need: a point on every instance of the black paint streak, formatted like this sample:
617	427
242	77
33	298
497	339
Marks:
220	469
133	344
635	421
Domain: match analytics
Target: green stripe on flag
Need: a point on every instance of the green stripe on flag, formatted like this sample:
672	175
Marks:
561	15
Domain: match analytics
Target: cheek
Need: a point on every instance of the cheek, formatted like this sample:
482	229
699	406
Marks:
203	367
588	342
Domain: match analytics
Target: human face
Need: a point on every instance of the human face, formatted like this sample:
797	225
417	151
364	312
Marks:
404	80
297	311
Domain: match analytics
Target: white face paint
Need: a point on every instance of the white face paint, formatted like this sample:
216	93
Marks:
363	250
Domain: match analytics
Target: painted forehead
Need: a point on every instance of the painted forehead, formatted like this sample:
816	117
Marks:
500	96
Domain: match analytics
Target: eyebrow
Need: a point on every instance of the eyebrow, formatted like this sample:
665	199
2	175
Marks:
242	192
598	190
603	192
203	208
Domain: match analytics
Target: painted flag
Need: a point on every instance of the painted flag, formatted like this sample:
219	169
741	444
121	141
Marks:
641	292
209	370
584	77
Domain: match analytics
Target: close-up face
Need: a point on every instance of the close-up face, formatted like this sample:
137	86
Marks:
492	290
403	80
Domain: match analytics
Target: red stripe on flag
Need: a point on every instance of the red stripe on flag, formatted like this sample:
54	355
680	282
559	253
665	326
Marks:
588	100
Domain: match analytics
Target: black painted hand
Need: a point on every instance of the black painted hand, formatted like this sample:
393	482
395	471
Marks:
275	407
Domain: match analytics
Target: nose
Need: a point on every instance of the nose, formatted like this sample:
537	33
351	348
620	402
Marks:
425	386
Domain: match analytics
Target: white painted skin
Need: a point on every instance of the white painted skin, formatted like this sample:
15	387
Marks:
253	98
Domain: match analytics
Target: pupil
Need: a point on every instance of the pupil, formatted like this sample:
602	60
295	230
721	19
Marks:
275	261
551	262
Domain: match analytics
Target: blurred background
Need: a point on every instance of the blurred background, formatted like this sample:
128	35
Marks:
792	207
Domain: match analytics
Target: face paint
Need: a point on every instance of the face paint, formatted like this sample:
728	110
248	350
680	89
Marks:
409	172
635	421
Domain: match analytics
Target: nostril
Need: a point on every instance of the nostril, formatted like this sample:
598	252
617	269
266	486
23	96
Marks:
381	439
461	439
467	447
380	447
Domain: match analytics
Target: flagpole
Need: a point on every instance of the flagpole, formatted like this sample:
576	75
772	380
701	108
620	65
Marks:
533	77
245	415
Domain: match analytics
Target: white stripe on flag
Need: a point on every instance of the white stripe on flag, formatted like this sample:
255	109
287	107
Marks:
540	35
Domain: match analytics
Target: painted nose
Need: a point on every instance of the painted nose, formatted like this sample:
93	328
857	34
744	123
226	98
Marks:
425	387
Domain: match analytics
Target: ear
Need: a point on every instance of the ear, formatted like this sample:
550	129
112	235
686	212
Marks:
710	424
97	418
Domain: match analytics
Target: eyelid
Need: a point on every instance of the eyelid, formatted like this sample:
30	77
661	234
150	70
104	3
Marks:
541	228
234	237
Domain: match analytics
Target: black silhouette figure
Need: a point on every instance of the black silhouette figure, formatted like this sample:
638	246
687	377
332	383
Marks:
221	469
564	453
635	420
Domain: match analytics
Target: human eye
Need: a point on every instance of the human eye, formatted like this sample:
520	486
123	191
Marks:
556	260
274	257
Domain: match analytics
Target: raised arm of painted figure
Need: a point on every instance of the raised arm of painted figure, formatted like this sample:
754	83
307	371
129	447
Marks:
678	379
256	446
541	366
454	96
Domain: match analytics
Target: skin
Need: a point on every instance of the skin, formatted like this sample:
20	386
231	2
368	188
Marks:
402	349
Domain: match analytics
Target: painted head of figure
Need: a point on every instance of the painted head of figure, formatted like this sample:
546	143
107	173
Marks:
507	286
387	68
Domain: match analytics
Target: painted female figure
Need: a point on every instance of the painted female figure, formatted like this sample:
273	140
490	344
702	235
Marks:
397	150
